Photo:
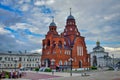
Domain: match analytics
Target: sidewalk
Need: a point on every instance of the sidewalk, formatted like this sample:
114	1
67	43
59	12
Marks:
62	74
105	75
102	75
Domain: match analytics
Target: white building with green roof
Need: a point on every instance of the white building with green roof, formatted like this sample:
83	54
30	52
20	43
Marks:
99	57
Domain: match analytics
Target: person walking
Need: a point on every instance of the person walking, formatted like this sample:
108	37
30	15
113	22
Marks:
11	74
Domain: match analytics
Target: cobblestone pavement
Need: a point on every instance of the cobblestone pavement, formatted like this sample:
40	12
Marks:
37	76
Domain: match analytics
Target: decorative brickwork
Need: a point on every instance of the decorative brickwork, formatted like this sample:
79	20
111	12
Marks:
57	48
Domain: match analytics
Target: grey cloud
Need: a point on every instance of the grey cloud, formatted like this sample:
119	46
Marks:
7	42
90	16
8	18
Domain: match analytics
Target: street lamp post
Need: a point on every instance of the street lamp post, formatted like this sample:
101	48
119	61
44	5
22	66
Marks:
71	61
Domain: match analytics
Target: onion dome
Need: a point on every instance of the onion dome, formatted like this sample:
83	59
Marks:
98	47
70	17
52	23
98	43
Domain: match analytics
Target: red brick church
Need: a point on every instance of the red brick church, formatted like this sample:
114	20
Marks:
60	49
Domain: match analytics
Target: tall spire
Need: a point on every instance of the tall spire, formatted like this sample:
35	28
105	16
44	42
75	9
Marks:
70	16
52	18
70	11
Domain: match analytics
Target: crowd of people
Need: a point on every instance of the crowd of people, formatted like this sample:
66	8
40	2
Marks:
11	74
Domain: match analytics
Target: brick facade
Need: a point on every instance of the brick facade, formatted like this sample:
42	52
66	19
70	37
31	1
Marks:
58	49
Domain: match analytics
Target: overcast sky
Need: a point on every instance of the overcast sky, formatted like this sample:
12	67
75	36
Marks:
24	23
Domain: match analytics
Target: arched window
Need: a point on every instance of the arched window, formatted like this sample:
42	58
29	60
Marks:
48	42
80	50
60	44
54	44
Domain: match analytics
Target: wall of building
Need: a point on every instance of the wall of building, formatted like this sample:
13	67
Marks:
12	61
69	45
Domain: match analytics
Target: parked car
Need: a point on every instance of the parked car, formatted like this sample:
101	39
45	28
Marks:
117	66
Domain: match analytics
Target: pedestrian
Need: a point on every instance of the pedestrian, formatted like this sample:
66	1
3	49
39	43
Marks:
11	74
20	74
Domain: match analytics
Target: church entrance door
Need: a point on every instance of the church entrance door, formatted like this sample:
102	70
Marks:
47	63
80	64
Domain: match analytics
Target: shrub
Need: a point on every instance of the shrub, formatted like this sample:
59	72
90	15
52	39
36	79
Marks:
36	69
93	68
6	76
48	70
7	73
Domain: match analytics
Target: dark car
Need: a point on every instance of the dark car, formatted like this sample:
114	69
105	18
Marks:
118	65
